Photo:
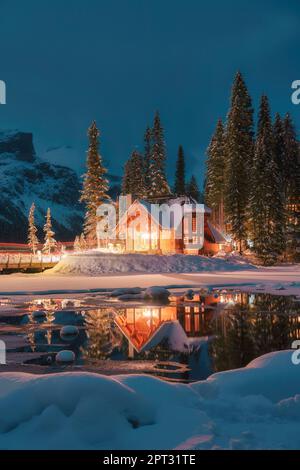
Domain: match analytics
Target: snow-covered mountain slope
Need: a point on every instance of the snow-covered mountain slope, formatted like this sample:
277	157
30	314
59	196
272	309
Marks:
26	178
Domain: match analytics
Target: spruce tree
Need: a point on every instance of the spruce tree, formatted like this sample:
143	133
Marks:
134	177
77	246
147	156
292	189
82	242
215	178
32	230
279	147
126	180
266	201
95	185
158	185
179	187
239	155
192	189
50	242
137	175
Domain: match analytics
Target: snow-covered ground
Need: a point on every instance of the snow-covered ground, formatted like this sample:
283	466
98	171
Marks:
257	407
283	280
93	264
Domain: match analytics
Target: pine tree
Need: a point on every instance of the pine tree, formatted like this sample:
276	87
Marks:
179	187
126	180
266	201
239	156
95	185
134	177
158	182
77	246
291	176
279	146
82	242
192	189
215	180
32	230
50	242
147	156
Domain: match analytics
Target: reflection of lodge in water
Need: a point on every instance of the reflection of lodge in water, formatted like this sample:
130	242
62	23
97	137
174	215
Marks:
141	325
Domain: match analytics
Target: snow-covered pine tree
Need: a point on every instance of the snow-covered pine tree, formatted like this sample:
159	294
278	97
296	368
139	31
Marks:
266	201
77	244
158	182
147	156
95	185
32	230
82	242
192	189
214	185
292	189
239	156
50	243
179	186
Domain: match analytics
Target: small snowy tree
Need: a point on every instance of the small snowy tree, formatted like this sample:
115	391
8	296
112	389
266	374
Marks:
50	242
82	242
77	246
32	230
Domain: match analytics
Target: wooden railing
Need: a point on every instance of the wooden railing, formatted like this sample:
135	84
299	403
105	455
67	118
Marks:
10	262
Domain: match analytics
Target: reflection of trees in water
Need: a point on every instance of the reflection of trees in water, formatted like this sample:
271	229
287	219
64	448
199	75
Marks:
103	335
244	333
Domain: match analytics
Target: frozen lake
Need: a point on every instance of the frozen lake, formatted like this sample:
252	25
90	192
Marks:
185	340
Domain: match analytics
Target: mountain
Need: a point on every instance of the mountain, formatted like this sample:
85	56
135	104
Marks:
25	178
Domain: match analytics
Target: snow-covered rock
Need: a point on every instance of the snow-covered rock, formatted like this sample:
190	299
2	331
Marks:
65	357
126	291
38	314
157	293
69	331
257	407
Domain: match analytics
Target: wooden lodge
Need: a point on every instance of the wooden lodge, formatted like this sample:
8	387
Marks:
142	230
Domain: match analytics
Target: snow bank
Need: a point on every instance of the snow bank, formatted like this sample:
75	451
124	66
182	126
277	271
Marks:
93	264
257	407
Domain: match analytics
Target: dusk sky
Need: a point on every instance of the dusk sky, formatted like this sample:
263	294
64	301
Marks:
118	61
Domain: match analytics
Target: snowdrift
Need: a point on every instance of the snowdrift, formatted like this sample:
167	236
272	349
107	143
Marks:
93	264
257	407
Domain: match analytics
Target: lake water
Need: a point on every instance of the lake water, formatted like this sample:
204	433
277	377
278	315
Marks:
186	340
